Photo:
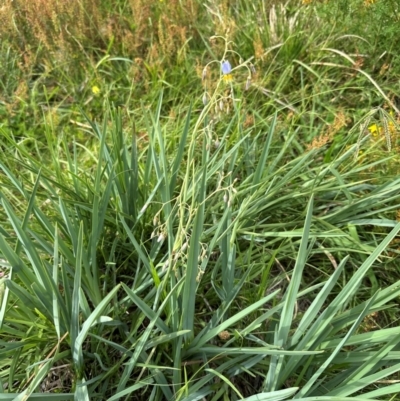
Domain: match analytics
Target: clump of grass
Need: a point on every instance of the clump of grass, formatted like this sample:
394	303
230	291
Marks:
206	242
150	276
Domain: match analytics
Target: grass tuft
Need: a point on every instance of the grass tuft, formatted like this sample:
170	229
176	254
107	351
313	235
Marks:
199	201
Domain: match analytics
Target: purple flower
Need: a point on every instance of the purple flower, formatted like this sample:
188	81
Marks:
226	67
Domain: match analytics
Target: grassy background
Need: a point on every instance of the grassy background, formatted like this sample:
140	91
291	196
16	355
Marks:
172	233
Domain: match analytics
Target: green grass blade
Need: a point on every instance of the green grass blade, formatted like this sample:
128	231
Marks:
315	308
131	389
273	395
91	320
263	158
38	378
75	319
391	389
81	392
226	380
147	311
211	333
190	285
180	153
39	396
290	298
141	345
308	386
42	276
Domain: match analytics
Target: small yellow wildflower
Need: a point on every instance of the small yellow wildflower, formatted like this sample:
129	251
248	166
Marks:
374	130
377	130
227	78
387	130
96	90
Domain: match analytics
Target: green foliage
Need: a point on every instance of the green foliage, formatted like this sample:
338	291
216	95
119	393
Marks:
231	241
138	284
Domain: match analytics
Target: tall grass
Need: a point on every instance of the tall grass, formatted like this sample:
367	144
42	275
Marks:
234	241
140	277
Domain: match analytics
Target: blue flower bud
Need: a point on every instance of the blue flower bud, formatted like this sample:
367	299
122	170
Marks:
226	67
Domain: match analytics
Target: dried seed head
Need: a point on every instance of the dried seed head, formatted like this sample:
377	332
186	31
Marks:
248	83
224	335
155	220
165	265
204	99
204	74
252	69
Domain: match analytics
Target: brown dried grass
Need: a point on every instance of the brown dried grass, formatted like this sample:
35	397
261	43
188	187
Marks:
65	28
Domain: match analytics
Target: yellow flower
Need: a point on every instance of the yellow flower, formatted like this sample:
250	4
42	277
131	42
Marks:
387	130
227	78
374	130
96	90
